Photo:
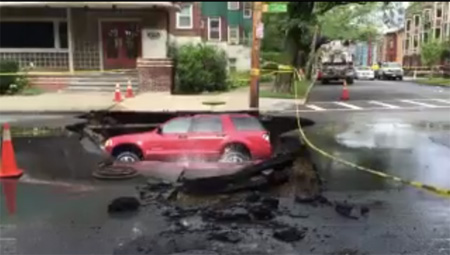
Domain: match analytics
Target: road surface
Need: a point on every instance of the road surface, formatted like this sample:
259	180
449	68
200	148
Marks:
409	139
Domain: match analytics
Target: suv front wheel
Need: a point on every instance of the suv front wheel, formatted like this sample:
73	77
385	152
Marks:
127	157
235	154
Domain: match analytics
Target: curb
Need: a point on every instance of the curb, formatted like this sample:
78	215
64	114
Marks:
432	85
44	112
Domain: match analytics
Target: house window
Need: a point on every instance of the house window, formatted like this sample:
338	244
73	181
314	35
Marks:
233	6
184	17
425	37
407	44
232	64
233	35
416	20
408	25
63	38
33	34
439	13
247	9
437	33
427	15
416	42
214	33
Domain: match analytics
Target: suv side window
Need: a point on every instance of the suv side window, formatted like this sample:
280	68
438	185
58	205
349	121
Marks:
177	126
243	123
208	124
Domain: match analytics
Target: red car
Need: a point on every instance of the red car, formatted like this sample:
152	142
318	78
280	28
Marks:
223	137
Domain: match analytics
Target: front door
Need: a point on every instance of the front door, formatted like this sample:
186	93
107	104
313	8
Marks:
121	44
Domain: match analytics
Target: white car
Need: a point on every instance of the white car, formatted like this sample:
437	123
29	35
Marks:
364	72
391	71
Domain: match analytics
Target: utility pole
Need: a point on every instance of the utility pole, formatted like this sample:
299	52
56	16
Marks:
256	43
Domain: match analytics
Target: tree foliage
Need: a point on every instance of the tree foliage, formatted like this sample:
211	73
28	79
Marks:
199	68
350	22
432	52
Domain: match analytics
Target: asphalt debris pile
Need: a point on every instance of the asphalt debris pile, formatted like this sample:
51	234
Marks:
229	227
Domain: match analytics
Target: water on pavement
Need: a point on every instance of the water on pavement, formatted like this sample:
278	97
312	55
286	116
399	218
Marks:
63	211
413	150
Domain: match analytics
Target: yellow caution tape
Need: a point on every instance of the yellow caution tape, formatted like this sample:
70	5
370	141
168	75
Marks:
419	185
254	72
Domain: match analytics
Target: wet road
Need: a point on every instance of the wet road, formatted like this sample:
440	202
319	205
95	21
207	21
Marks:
379	90
411	143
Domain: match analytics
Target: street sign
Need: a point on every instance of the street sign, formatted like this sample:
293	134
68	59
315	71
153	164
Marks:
275	7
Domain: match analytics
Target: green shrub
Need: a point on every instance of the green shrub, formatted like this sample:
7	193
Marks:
11	84
266	77
238	79
7	81
277	57
199	68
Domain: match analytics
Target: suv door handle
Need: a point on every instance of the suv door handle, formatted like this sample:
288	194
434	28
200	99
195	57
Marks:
182	136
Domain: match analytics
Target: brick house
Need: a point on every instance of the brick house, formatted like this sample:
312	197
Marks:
393	46
99	36
424	21
74	36
227	25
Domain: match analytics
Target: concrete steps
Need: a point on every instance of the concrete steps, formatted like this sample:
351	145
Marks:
105	82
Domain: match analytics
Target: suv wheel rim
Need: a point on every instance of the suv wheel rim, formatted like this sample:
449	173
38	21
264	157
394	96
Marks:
233	158
127	159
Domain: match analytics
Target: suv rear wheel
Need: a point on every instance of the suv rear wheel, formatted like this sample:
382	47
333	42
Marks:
235	153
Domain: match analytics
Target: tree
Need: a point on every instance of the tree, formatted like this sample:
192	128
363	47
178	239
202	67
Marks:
431	53
274	32
350	22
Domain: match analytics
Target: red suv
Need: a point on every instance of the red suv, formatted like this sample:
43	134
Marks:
223	137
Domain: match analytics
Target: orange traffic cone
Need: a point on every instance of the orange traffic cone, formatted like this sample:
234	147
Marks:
129	90
8	167
9	188
117	94
345	94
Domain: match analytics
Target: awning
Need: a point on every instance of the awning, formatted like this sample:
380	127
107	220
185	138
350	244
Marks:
100	5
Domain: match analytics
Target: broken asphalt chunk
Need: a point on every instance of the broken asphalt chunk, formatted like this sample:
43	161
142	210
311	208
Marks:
124	204
350	211
225	236
289	234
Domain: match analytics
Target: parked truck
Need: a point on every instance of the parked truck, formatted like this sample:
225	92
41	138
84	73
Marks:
336	62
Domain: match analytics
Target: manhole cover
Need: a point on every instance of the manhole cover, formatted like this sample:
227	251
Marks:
115	173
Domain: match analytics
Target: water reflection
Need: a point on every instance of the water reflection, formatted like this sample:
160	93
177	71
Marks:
416	151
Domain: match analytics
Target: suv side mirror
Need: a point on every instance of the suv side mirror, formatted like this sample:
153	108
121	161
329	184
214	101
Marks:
159	130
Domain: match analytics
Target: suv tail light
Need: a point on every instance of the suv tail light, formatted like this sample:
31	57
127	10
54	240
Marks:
266	137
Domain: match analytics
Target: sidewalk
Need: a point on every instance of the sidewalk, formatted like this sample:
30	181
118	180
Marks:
57	102
230	101
149	101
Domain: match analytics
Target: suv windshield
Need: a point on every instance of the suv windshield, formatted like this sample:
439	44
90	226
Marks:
392	64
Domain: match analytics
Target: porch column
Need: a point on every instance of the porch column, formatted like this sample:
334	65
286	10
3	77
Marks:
70	38
155	69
